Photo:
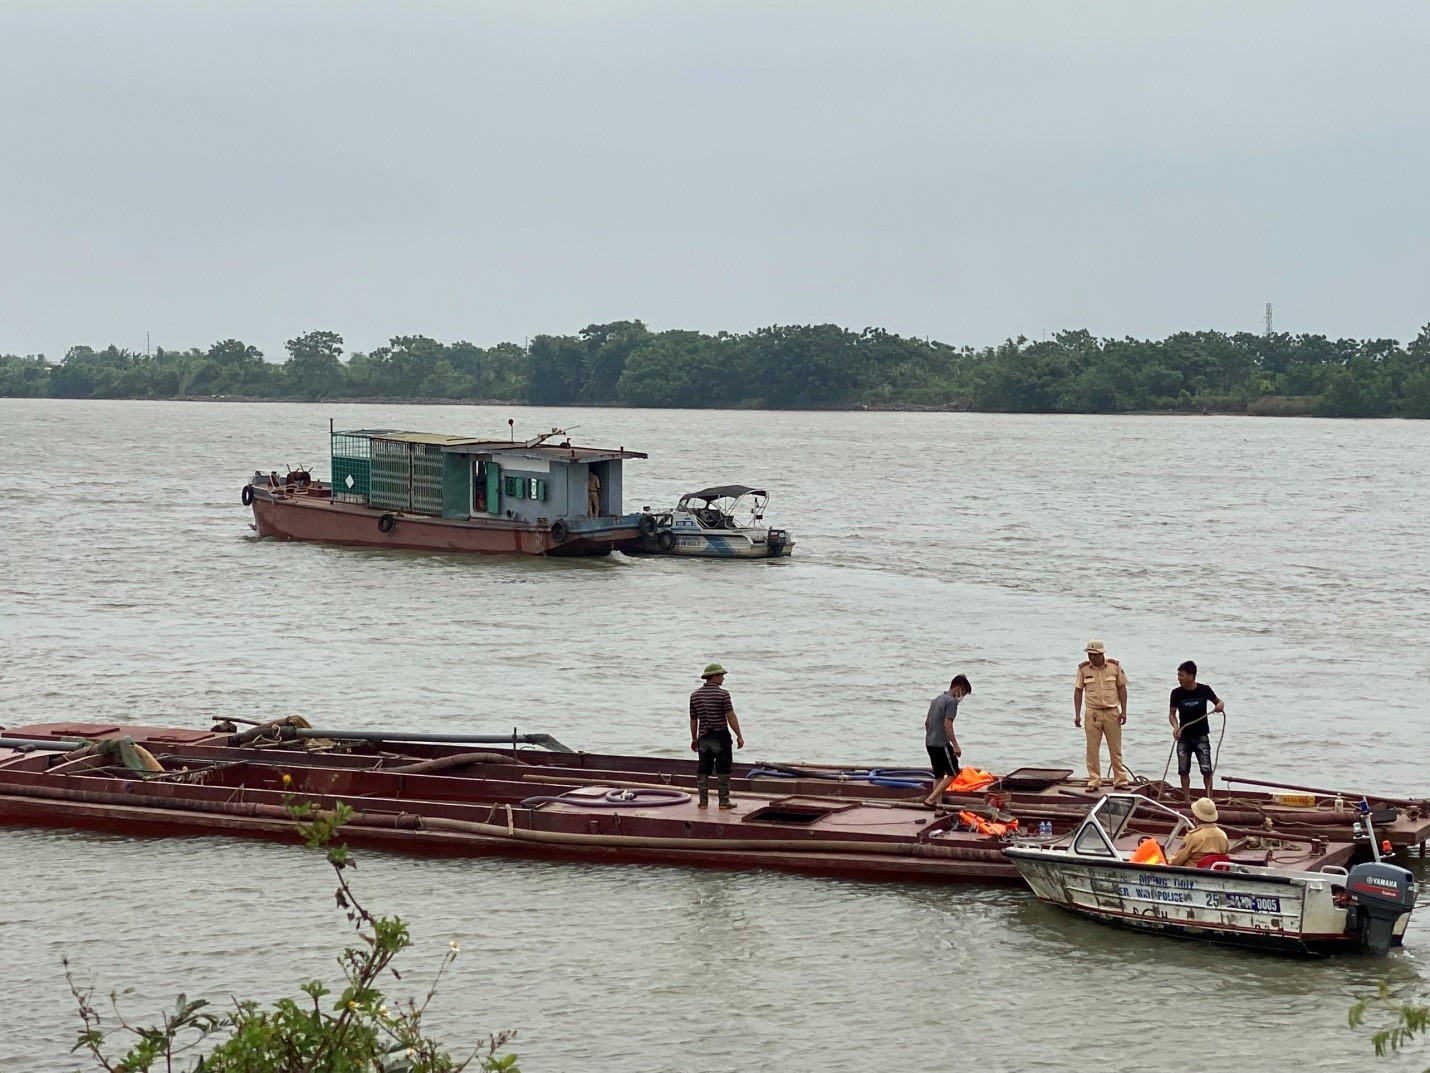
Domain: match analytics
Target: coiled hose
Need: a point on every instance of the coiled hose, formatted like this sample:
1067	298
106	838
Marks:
653	797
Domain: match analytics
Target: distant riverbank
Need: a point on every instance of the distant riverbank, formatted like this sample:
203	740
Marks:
808	367
1267	406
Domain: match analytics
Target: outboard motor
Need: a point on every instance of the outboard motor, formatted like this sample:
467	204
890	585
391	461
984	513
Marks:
775	541
1383	893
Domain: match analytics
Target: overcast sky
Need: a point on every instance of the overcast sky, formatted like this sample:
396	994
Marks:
491	171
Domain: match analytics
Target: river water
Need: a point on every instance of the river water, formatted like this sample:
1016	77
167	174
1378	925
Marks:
1290	558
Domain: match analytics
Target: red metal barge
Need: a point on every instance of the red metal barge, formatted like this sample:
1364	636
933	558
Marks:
416	795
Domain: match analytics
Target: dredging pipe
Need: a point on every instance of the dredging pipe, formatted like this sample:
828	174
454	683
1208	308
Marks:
283	732
26	745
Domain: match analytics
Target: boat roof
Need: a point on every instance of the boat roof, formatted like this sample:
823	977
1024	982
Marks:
541	447
720	491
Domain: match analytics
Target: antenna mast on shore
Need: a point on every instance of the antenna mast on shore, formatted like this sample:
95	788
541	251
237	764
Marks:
1268	319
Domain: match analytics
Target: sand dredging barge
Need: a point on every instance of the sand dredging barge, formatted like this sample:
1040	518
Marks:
526	796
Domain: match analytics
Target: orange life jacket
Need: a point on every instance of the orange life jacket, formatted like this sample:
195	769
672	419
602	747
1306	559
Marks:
970	779
992	828
1149	851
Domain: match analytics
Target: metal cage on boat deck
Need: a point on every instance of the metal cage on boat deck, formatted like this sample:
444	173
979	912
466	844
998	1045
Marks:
352	466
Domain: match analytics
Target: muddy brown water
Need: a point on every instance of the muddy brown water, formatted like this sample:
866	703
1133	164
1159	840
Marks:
1290	558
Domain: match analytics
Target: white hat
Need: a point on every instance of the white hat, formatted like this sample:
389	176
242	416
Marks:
1095	646
1204	809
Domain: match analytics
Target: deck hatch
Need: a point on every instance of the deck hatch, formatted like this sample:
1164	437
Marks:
793	811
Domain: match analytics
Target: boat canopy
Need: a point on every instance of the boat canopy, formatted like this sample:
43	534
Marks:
722	491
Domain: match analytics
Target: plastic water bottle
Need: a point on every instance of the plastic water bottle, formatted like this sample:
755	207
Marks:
1045	827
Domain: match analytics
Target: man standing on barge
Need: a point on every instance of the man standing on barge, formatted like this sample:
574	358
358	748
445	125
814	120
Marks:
939	738
1188	716
1103	683
712	717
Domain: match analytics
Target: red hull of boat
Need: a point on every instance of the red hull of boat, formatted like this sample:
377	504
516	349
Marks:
332	522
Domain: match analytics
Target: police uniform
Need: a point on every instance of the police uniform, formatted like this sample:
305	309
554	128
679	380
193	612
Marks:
1102	718
593	495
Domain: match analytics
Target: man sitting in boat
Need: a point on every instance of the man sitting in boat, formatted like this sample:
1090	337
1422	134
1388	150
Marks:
1204	840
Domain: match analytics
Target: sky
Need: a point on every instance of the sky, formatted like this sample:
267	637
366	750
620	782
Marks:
494	171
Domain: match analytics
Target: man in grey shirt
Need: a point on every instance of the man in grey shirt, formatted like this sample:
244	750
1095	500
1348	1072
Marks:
940	739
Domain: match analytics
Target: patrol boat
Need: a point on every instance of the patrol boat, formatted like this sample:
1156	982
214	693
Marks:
1267	893
723	522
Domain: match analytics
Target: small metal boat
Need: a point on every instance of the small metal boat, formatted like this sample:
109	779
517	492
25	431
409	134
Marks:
1270	894
724	522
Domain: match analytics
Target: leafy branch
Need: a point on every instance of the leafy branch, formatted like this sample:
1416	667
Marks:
352	1031
1408	1020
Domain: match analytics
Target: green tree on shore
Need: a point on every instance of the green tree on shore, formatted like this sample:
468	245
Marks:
785	366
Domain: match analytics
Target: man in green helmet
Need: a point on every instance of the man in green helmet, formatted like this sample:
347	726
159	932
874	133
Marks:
712	717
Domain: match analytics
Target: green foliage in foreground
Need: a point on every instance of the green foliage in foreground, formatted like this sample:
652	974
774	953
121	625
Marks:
1406	1021
354	1032
783	367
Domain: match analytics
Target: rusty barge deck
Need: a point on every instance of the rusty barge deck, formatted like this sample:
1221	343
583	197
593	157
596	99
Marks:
421	797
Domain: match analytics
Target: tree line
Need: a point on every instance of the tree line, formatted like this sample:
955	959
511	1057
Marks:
781	367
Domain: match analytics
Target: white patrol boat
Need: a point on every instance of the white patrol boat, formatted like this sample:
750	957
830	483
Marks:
724	522
1277	896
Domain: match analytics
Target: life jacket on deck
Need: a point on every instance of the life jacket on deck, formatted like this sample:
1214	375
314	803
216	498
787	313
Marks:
970	779
992	828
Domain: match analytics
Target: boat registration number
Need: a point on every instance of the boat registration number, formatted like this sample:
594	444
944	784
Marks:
1253	903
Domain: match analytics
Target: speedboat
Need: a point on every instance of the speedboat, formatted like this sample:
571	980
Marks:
724	522
1269	892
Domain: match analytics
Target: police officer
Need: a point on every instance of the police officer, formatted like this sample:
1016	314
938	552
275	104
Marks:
1103	684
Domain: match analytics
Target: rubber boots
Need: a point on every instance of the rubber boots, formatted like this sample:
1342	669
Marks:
702	787
724	786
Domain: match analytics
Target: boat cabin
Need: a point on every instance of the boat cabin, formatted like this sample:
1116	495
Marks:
463	477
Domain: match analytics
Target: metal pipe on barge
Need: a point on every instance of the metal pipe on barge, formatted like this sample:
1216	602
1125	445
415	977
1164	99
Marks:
25	745
290	733
1400	802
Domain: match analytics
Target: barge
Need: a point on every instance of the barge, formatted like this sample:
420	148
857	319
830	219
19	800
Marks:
153	781
429	492
529	796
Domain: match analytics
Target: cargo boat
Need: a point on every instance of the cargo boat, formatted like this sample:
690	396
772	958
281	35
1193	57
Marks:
430	492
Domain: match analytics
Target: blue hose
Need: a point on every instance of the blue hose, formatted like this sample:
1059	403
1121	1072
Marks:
917	773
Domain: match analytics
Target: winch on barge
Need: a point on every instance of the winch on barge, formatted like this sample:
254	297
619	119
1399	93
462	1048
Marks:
422	491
